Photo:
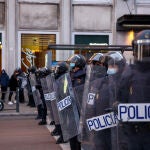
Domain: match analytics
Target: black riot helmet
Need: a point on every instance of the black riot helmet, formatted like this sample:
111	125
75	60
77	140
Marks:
141	46
61	68
42	72
96	59
115	59
77	60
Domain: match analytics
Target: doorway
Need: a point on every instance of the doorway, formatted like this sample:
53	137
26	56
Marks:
34	49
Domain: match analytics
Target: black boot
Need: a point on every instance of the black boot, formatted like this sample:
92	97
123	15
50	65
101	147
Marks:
43	122
52	123
55	132
60	140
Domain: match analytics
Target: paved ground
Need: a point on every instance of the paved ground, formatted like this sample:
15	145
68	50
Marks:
20	130
23	133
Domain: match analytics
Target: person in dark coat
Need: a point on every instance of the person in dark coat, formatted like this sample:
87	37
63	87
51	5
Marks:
4	80
13	84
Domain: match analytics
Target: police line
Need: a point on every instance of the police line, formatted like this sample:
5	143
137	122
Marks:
126	113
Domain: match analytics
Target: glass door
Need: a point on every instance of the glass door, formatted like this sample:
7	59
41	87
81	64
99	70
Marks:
34	49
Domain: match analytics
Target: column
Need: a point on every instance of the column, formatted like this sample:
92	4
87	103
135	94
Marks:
65	28
11	60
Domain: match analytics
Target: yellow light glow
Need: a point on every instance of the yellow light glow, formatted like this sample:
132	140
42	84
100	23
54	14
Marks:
0	45
130	37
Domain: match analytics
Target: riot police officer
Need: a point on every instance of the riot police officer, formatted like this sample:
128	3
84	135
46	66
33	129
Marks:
31	102
78	72
95	101
40	73
116	64
135	87
60	70
32	82
97	65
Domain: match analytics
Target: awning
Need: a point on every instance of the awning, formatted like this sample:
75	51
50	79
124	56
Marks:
133	22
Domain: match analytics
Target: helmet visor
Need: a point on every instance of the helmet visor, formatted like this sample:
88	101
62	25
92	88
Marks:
142	50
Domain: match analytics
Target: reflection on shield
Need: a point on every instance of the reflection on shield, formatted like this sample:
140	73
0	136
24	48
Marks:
67	107
35	92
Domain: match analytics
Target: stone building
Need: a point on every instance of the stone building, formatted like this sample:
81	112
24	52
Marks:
31	25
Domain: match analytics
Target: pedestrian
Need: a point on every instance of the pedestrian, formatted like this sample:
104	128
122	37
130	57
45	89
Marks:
13	84
4	80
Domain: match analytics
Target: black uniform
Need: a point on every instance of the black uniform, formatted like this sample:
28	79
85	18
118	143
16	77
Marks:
61	69
135	88
78	78
31	102
77	73
42	108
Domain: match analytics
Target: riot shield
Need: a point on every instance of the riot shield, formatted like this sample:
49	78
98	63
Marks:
78	92
92	72
67	107
52	95
134	103
35	92
47	96
95	120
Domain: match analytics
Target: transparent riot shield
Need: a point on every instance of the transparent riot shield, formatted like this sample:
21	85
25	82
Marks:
52	95
67	107
134	102
47	96
92	73
95	121
78	92
35	92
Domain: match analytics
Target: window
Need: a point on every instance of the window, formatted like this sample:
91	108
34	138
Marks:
38	45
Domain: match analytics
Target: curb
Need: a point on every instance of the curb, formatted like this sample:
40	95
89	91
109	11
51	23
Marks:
16	114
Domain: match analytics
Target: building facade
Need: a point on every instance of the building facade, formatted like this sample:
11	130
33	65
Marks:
29	26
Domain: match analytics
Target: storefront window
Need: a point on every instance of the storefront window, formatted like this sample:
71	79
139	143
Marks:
34	49
91	40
